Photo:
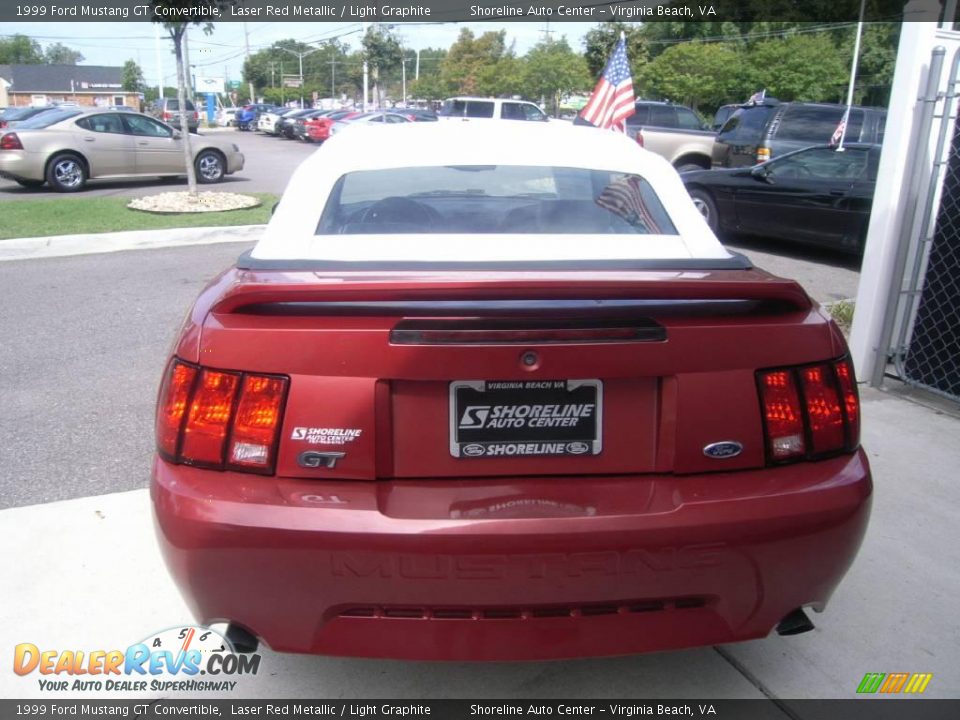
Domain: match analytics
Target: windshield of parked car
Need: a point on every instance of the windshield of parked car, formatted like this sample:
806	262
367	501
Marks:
493	199
47	118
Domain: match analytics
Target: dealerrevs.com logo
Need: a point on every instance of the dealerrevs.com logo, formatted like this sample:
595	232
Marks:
181	659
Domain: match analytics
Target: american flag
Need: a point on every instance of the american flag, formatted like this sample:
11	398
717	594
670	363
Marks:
624	198
612	101
841	129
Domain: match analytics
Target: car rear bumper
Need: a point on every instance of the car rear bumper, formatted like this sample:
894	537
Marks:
21	165
510	569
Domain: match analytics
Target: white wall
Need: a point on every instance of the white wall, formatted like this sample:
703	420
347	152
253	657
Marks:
892	219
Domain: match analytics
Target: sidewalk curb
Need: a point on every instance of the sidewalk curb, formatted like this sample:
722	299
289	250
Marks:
67	245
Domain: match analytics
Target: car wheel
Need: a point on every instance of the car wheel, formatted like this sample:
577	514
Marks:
30	183
706	207
66	173
210	166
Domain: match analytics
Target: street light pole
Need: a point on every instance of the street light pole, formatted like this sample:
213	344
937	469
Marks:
300	57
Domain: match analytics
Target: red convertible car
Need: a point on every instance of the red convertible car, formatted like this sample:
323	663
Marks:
470	397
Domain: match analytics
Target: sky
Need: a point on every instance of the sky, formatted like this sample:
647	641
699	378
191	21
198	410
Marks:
221	54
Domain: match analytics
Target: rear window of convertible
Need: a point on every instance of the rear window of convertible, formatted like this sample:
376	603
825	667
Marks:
493	199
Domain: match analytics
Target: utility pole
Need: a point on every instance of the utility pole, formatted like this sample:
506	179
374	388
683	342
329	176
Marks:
246	44
547	32
403	75
156	46
333	78
188	80
366	71
416	74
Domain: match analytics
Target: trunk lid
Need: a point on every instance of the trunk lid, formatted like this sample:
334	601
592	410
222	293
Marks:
407	374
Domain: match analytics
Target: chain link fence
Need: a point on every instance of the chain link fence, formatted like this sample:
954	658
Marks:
932	355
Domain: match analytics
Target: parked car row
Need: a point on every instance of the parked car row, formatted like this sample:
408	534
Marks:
312	125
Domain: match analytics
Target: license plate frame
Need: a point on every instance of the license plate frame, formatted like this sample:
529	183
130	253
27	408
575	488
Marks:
483	426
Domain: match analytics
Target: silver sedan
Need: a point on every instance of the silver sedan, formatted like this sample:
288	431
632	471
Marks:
66	147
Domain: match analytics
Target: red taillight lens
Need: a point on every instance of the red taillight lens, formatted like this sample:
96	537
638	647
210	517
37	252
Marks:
10	141
209	417
810	411
255	428
827	432
167	115
218	419
640	138
172	406
851	400
782	415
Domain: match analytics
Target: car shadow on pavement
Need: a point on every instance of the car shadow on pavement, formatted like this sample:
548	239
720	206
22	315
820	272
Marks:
796	251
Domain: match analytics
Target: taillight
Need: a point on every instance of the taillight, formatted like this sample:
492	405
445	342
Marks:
809	411
167	115
220	419
172	406
851	400
640	138
10	141
782	415
763	154
257	422
208	418
822	402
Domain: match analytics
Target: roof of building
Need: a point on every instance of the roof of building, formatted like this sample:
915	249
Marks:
63	78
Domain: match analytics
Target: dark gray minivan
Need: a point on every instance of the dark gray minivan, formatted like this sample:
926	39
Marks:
758	132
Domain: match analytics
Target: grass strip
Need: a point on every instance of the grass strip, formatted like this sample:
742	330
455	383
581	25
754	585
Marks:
73	215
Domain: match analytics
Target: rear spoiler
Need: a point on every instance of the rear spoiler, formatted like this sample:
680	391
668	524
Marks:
245	288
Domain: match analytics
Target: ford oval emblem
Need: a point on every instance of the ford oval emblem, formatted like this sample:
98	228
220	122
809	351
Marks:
724	449
577	448
474	450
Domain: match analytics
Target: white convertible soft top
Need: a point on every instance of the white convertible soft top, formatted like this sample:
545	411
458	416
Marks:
292	232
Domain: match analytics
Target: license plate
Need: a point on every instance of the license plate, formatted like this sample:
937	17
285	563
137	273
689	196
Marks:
523	418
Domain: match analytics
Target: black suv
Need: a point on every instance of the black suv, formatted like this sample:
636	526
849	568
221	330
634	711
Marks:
758	132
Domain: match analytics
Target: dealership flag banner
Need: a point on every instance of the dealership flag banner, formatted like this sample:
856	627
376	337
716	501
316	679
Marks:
612	101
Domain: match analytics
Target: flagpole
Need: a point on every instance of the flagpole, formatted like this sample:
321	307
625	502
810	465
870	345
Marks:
622	125
853	77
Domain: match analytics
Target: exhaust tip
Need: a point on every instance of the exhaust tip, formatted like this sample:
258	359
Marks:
242	640
795	623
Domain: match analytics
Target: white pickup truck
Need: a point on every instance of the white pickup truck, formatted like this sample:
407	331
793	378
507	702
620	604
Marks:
673	132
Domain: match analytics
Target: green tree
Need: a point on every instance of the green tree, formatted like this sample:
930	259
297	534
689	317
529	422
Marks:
132	77
176	31
551	69
600	41
383	54
878	56
702	75
59	54
473	65
807	68
20	50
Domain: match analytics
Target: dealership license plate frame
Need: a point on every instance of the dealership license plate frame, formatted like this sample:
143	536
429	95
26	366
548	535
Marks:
572	446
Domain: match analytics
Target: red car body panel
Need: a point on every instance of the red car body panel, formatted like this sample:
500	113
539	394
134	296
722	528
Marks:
403	550
447	570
